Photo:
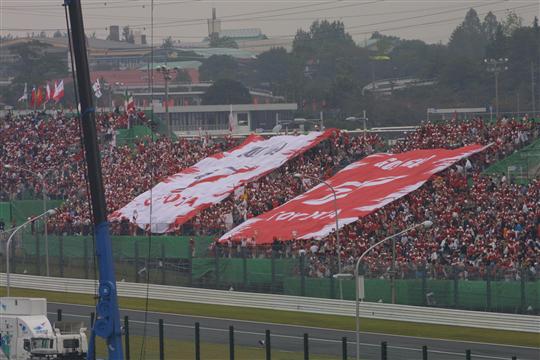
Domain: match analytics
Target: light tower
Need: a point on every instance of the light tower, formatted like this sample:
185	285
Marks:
496	66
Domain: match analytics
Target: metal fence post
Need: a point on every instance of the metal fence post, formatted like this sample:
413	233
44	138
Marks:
244	269
302	275
384	354
13	258
231	342
332	283
468	354
424	353
161	341
488	288
92	317
85	254
216	268
344	348
267	345
162	263
59	315
136	261
190	260
273	272
61	255
38	255
424	286
456	287
306	347
197	341
523	299
126	338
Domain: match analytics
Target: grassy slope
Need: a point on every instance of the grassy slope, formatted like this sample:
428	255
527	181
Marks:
303	319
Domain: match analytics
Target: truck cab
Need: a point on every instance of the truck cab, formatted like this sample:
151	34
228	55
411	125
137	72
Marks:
27	333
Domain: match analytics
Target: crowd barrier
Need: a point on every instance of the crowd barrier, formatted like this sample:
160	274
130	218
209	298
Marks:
476	319
179	261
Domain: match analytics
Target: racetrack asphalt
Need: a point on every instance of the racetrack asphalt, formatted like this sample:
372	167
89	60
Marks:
290	337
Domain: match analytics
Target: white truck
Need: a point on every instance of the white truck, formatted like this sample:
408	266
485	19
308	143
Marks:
27	333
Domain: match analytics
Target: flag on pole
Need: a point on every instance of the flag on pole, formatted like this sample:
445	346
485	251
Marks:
97	89
231	119
129	103
58	91
33	97
48	93
39	97
25	94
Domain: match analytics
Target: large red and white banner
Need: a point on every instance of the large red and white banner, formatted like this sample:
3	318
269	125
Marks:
361	188
179	197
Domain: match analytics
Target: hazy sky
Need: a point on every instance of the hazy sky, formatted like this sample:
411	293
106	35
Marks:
428	20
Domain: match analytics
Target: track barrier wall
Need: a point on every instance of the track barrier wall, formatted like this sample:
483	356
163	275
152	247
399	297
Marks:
186	261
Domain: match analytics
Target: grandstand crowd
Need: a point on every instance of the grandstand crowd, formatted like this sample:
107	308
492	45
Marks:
479	220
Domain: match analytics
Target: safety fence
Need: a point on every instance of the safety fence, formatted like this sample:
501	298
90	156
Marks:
186	261
520	167
161	342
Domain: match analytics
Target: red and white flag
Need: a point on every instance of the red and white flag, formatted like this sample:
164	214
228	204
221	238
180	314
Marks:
39	97
361	188
48	93
33	97
58	91
179	197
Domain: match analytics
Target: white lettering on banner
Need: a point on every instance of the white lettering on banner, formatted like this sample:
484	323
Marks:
289	216
361	188
392	163
179	197
347	188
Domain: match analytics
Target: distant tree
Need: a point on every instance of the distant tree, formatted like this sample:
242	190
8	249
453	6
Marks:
468	39
222	42
489	26
273	67
218	67
57	34
511	23
167	43
35	65
182	77
127	35
225	92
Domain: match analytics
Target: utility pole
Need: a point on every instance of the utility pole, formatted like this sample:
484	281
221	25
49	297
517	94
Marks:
167	76
533	93
107	324
496	66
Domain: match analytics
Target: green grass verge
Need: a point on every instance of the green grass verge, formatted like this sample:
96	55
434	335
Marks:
184	350
302	319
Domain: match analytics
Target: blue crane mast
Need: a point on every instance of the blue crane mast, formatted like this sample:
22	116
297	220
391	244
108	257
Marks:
107	323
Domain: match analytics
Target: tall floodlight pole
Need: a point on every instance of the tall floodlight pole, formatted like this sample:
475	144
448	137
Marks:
496	66
167	76
533	93
44	201
107	324
336	217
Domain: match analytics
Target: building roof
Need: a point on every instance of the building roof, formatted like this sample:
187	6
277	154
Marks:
92	43
183	65
250	33
136	78
235	53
